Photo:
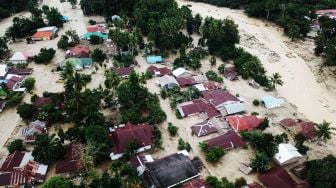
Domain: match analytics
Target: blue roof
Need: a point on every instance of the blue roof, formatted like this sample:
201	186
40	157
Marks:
65	18
154	59
272	102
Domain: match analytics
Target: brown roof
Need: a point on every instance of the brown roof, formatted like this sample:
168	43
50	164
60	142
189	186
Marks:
12	161
20	71
217	97
254	185
277	177
186	81
195	183
41	101
96	28
230	73
121	137
124	71
12	81
72	159
159	71
199	106
288	122
211	85
204	128
306	128
226	141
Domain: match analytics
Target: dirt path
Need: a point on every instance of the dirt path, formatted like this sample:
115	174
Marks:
301	87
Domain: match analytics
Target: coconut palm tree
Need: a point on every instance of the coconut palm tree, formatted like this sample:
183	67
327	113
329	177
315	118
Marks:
47	149
111	79
324	131
275	79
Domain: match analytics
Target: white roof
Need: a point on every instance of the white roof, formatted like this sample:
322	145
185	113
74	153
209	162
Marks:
3	69
200	87
200	78
26	158
272	102
42	169
184	152
287	152
18	56
179	71
234	108
168	80
50	28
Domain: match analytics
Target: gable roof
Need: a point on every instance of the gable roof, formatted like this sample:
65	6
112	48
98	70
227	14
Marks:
306	128
42	34
180	71
72	159
170	170
186	81
242	123
96	28
197	106
277	177
154	59
195	183
21	56
286	152
272	102
226	141
168	81
230	73
79	51
124	71
159	71
207	86
204	128
122	136
12	161
218	97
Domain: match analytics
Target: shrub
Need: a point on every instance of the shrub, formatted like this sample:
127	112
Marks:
182	145
26	111
98	55
256	102
214	154
172	129
211	75
45	56
163	94
92	22
94	40
29	83
16	145
240	182
264	124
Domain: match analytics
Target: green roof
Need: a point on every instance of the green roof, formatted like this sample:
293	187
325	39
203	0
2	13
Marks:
79	63
88	35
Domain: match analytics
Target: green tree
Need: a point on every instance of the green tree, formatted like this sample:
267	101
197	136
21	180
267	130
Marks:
261	162
172	129
29	83
47	149
3	46
321	172
58	182
45	56
26	111
63	43
275	80
324	131
94	40
15	145
98	55
112	80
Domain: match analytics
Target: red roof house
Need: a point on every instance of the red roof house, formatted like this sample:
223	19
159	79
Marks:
304	127
278	177
156	71
124	134
15	83
218	97
43	35
243	123
124	72
230	73
254	185
72	163
79	52
13	160
186	81
226	141
195	183
96	28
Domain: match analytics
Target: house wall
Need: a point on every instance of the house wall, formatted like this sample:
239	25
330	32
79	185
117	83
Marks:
119	155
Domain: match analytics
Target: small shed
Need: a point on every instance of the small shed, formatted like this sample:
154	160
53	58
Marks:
154	59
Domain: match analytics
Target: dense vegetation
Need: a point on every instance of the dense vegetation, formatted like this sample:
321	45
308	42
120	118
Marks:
8	7
322	172
293	16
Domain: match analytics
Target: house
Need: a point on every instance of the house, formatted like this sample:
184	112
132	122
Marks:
122	135
124	72
20	71
243	123
230	73
15	83
331	13
154	59
88	35
181	72
226	141
254	185
195	183
156	71
72	163
197	107
3	71
207	86
204	128
41	101
20	168
168	82
138	162
35	128
287	154
170	171
271	102
186	81
224	102
306	128
52	29
43	35
97	28
78	52
21	57
2	105
278	177
78	63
